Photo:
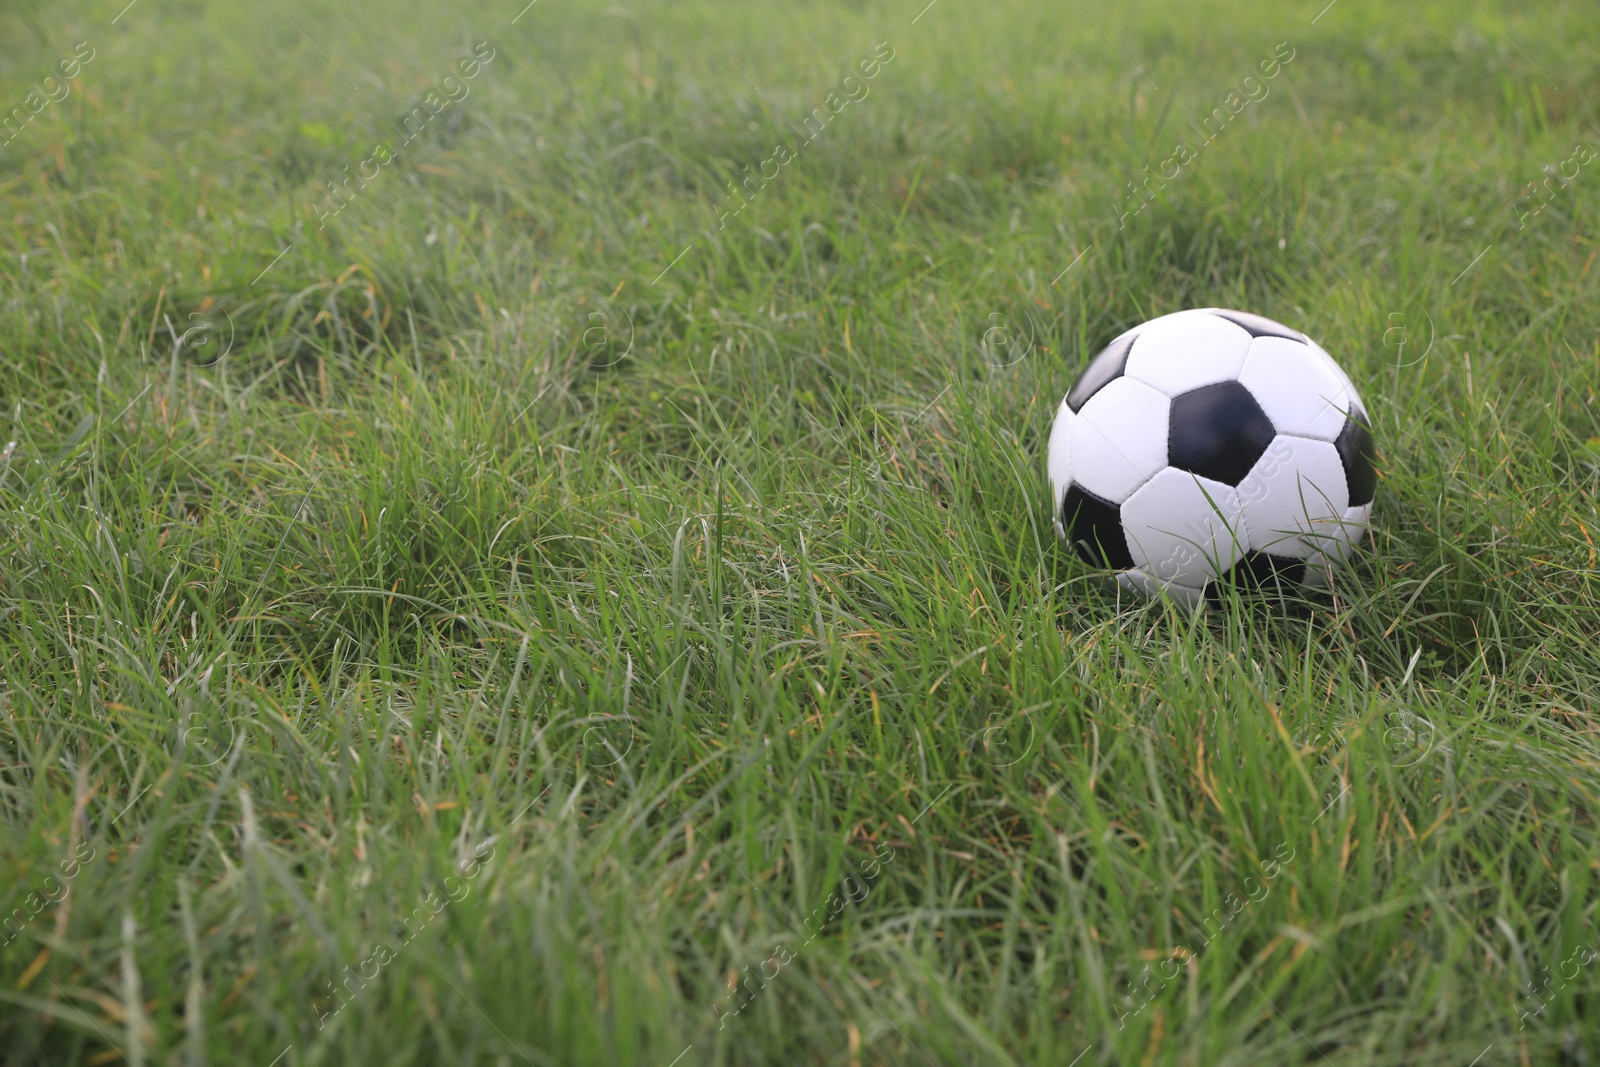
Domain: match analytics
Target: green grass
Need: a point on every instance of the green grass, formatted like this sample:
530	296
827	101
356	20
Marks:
631	612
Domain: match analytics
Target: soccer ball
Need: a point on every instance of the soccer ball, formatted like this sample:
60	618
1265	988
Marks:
1209	447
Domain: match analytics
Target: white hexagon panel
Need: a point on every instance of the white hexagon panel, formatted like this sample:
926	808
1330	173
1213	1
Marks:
1184	529
1295	495
1178	353
1118	440
1302	393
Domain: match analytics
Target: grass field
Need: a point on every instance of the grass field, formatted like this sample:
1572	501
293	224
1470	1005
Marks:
477	585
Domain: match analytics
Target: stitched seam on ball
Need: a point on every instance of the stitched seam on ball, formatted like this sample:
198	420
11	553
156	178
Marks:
1246	539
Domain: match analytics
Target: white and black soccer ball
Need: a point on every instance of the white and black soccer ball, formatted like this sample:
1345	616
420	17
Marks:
1212	446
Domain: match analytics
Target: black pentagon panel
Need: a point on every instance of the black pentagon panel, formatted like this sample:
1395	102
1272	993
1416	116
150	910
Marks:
1218	432
1102	370
1259	326
1356	452
1094	528
1258	572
